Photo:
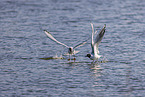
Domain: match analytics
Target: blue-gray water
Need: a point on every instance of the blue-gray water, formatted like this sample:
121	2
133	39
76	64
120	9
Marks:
23	43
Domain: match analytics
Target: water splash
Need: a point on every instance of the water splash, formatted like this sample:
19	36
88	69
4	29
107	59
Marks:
53	57
58	57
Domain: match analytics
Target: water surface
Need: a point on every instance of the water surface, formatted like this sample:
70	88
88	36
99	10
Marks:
23	44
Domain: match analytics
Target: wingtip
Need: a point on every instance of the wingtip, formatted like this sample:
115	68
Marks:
91	24
45	31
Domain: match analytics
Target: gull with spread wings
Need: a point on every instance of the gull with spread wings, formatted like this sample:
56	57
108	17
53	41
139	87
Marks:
95	43
71	50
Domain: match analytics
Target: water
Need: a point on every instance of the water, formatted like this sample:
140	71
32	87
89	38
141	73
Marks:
23	47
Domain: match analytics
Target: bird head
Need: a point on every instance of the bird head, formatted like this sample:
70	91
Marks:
88	55
70	50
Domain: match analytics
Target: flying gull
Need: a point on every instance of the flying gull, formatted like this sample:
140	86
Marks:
95	43
71	50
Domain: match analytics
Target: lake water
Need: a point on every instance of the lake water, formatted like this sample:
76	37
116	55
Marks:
23	46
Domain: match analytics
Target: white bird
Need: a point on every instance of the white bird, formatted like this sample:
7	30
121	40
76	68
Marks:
71	50
95	43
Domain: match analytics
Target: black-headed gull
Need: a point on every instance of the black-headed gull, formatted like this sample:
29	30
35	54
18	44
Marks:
71	50
95	43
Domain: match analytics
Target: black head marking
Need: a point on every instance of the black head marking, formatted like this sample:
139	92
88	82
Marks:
89	55
70	49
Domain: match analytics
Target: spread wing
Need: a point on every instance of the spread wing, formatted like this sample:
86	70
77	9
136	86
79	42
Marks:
92	39
53	39
100	35
95	43
81	44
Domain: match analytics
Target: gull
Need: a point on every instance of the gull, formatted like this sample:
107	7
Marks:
95	43
71	50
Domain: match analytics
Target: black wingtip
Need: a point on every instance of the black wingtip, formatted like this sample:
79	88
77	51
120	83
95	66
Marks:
46	31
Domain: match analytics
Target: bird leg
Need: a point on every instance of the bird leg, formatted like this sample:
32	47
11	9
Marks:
69	58
74	58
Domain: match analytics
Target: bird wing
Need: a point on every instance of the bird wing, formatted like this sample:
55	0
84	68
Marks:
100	35
98	39
81	44
92	41
52	38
